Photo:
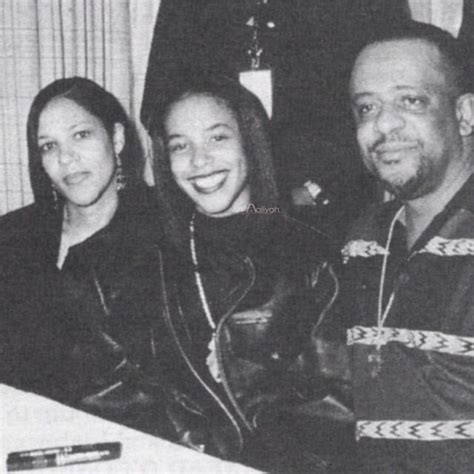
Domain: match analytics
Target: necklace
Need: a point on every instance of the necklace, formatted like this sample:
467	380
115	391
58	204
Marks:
375	358
211	359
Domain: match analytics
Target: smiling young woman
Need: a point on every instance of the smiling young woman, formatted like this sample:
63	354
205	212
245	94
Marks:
207	157
237	272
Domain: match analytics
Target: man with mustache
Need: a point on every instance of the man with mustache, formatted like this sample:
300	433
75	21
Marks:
409	263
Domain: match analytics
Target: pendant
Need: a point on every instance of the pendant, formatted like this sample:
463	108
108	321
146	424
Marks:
375	362
211	360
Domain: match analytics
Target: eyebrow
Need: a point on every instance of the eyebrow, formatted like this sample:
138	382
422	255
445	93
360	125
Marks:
209	129
360	95
419	90
78	124
217	125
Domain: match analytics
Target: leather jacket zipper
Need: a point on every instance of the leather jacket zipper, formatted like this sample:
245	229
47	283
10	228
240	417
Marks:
220	361
189	363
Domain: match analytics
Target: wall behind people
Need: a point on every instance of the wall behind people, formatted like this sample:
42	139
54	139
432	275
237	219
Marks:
104	40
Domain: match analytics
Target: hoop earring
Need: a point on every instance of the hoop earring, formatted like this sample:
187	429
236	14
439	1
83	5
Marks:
120	179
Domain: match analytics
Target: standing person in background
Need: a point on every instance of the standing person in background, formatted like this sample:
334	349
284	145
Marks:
410	262
77	265
239	274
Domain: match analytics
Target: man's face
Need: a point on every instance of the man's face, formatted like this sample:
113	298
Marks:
405	115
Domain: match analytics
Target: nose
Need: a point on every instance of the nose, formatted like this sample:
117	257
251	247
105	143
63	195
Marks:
66	154
200	156
389	120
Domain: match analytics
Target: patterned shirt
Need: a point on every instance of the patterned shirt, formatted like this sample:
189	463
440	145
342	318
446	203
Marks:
413	378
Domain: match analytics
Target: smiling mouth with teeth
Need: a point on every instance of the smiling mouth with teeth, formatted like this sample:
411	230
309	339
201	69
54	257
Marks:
209	183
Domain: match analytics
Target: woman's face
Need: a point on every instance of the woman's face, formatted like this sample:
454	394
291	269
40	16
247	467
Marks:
207	156
77	153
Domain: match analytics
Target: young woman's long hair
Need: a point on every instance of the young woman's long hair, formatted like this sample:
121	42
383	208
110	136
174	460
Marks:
102	105
254	129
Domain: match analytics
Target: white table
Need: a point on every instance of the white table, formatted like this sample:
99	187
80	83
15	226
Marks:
28	421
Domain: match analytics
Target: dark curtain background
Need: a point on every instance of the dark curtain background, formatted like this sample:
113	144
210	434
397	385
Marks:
309	49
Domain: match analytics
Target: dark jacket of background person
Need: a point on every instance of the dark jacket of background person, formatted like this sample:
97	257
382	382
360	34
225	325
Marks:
54	320
308	44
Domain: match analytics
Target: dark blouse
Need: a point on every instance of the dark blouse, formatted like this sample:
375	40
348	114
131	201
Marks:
47	311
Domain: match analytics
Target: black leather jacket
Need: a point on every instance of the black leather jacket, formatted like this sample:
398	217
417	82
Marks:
278	283
53	319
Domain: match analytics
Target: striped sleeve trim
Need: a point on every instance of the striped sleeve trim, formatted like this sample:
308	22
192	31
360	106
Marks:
416	430
361	248
414	339
449	247
437	246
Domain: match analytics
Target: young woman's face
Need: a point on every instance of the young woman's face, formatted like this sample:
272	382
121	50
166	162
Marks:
207	156
77	153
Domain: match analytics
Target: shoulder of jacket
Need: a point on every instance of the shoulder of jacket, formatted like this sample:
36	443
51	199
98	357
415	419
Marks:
18	222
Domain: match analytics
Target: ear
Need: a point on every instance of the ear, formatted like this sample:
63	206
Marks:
465	114
119	137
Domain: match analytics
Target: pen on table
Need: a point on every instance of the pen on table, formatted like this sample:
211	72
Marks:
62	456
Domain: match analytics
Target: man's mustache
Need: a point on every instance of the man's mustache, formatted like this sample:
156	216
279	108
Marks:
383	141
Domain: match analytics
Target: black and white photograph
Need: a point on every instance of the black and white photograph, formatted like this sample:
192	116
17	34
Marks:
237	236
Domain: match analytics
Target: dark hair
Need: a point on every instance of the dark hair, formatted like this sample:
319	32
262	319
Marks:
253	126
101	104
454	63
